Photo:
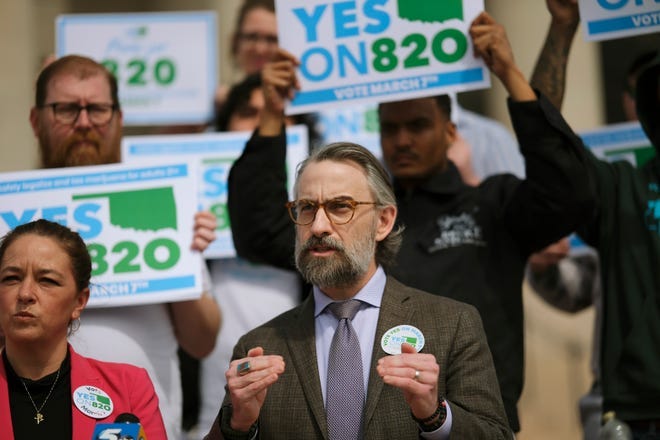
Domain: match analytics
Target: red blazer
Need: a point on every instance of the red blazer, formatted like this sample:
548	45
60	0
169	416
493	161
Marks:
128	386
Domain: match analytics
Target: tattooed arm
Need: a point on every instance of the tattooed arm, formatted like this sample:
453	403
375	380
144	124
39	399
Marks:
550	71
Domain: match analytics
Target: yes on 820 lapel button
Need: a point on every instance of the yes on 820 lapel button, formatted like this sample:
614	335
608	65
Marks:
394	337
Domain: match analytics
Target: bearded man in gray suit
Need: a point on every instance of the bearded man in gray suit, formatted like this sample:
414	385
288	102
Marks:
282	382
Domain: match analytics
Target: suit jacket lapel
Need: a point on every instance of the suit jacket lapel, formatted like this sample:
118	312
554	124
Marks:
302	349
83	426
82	374
393	312
5	413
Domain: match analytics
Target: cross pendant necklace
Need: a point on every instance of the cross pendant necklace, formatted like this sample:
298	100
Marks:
40	417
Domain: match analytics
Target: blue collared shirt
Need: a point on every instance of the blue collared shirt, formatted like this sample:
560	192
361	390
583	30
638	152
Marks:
364	323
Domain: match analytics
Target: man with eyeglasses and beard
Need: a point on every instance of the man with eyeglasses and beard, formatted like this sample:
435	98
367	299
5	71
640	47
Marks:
69	136
467	243
322	370
78	121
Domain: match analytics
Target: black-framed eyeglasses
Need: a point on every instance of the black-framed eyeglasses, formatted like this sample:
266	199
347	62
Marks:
339	211
68	112
255	37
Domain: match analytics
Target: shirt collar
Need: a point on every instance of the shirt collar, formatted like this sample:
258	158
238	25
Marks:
371	293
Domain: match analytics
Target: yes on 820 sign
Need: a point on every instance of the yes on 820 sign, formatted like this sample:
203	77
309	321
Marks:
165	63
368	51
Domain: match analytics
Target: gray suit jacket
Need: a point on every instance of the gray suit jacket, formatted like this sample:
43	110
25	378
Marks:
294	407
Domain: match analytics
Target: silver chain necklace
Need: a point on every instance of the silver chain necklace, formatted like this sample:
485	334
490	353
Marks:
40	417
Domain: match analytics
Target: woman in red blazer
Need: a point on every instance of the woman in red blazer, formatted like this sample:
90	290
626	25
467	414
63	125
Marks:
47	390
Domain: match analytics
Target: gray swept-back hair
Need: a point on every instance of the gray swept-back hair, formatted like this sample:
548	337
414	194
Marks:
379	183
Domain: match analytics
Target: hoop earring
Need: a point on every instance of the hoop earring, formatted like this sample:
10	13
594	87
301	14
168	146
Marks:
74	325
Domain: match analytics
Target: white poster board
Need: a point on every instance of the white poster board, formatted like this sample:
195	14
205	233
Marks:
610	19
624	141
359	123
366	51
137	222
215	153
165	63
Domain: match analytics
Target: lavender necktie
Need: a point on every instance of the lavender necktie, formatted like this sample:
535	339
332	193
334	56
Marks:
345	386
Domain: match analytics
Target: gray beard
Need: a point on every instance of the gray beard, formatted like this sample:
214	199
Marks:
343	269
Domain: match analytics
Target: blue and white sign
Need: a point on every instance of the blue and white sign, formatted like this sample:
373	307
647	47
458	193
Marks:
215	153
610	19
379	50
137	222
359	123
625	141
165	63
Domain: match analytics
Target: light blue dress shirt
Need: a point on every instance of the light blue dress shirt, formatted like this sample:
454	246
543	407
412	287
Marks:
364	323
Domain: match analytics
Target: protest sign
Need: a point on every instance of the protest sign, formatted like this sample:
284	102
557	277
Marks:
214	153
365	51
165	62
624	141
609	19
359	123
137	222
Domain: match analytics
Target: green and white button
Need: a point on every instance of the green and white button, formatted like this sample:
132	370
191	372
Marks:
93	401
394	337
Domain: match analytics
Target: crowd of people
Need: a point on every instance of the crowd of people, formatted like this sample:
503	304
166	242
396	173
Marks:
384	300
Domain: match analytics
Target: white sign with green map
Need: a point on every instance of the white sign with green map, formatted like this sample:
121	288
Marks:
215	153
137	222
379	50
